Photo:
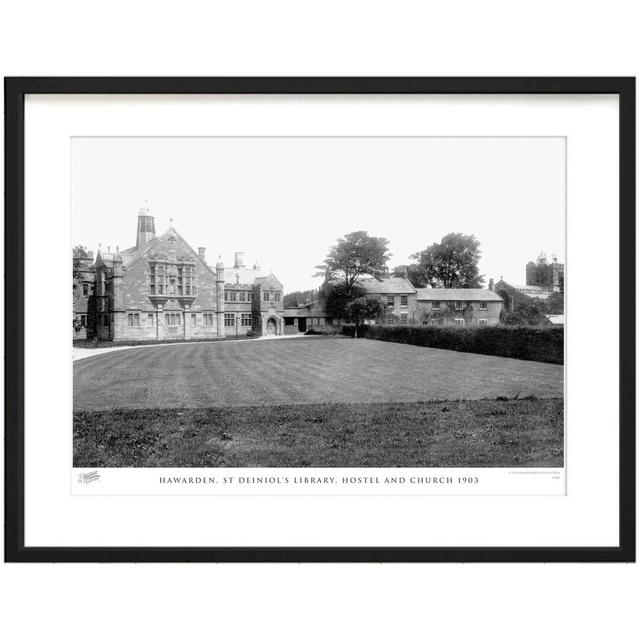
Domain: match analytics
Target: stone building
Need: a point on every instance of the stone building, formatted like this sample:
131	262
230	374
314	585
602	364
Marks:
162	289
515	295
542	280
459	307
405	304
83	283
548	275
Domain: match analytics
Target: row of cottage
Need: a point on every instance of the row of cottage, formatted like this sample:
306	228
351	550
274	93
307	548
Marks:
406	304
162	289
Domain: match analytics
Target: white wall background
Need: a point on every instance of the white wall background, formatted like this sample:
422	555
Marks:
331	38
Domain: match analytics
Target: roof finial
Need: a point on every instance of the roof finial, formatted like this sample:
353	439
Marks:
171	222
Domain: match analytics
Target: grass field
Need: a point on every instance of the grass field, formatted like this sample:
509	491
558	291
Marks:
480	433
315	402
301	371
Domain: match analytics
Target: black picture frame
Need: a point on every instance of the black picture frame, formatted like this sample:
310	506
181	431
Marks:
15	91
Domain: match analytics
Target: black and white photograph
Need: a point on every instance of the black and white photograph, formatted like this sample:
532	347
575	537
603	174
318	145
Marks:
322	302
320	319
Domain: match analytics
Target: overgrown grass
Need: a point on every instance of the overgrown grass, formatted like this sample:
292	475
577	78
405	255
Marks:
506	432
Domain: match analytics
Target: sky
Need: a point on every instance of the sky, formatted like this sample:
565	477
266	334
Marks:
285	201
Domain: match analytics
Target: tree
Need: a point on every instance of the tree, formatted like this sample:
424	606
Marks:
529	312
296	298
363	308
451	263
555	303
79	253
337	298
355	255
412	273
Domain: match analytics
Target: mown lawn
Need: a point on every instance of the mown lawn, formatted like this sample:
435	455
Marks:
525	432
315	402
300	371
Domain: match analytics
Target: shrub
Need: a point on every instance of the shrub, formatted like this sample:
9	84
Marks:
543	344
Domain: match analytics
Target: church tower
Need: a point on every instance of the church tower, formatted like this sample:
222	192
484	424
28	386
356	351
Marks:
146	226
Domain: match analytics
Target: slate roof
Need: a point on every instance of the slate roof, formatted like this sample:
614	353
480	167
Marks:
269	281
131	253
530	290
469	295
246	275
385	286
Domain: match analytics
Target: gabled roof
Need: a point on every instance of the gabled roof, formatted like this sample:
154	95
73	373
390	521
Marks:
268	281
530	290
129	254
469	295
150	245
386	285
104	259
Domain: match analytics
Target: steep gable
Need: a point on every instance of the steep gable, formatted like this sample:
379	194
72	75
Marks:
170	240
268	281
170	250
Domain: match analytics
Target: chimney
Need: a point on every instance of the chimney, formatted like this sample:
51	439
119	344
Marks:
405	274
239	262
491	284
201	253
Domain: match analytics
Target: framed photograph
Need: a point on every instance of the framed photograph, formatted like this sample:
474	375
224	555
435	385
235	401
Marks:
320	319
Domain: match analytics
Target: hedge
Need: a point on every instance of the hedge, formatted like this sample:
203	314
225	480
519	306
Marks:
543	344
